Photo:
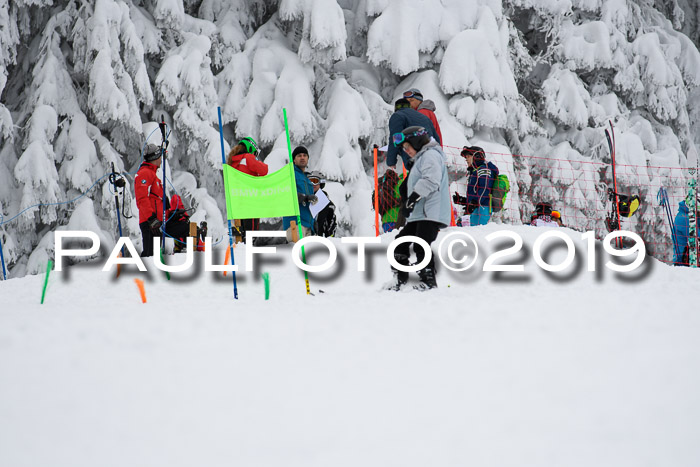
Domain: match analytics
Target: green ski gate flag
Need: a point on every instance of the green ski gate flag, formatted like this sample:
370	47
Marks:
249	197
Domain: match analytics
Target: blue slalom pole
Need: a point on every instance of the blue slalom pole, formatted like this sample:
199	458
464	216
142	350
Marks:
230	229
2	260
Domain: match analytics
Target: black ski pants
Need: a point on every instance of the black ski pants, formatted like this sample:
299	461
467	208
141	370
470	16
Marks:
427	230
178	229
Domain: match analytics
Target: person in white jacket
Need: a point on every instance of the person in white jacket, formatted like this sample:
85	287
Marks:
427	207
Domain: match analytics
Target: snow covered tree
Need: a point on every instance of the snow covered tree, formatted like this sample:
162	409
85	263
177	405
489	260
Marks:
82	85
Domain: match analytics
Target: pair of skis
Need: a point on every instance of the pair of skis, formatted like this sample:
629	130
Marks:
691	200
612	220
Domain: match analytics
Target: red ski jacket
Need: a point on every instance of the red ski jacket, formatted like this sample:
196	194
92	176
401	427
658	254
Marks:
149	192
248	164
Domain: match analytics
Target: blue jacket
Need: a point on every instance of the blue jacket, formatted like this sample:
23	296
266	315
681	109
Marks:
399	121
480	183
680	225
304	186
429	179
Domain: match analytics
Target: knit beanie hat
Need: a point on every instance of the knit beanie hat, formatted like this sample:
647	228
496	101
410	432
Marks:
299	150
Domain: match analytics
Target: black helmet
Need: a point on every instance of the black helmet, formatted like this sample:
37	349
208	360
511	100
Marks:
477	152
151	152
416	136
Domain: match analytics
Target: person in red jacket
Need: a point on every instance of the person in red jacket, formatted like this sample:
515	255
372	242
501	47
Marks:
427	108
149	200
244	157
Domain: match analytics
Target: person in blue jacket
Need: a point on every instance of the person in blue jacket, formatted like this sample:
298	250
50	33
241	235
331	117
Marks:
404	116
680	243
481	177
305	193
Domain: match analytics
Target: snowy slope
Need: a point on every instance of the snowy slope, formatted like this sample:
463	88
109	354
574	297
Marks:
521	369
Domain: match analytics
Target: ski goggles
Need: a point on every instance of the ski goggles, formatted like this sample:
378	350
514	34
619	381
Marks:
410	94
250	145
315	180
398	139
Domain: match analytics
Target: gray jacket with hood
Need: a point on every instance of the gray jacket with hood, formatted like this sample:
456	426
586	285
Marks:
428	178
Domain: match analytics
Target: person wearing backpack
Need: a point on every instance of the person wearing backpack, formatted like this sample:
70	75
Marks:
389	199
481	177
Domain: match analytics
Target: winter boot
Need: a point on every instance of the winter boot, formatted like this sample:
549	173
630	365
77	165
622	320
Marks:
400	277
427	279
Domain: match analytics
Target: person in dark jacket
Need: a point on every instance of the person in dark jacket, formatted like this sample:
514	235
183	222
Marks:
325	222
148	191
426	107
481	177
305	194
681	226
244	157
404	116
427	208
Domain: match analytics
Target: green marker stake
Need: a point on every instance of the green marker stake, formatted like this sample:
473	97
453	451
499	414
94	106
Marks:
167	274
266	278
49	265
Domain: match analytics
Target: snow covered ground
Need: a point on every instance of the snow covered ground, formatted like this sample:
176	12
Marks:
497	369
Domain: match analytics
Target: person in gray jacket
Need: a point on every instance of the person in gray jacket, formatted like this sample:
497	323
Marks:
427	208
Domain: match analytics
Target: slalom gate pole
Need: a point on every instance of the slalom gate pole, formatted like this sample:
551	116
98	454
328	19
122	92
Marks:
376	195
230	231
301	231
2	260
49	265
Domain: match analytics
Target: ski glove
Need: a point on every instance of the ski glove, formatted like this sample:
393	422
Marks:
410	204
304	199
459	199
154	224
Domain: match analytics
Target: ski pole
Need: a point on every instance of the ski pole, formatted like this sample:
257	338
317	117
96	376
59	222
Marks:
230	229
669	215
2	260
163	147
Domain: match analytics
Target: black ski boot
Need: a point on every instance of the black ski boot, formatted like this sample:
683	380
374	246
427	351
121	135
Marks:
427	279
400	277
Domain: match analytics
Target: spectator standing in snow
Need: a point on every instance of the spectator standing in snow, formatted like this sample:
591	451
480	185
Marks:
305	194
681	256
325	222
426	107
481	177
404	116
148	191
244	157
427	207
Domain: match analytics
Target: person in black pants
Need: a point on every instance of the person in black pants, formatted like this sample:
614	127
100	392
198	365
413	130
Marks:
427	208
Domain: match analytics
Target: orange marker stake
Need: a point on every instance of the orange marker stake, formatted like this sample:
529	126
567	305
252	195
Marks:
142	289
